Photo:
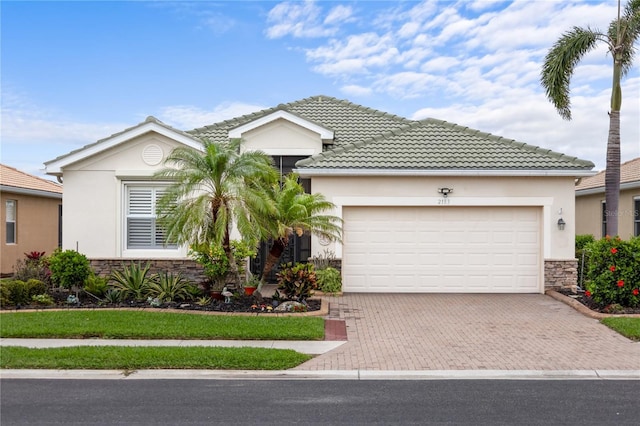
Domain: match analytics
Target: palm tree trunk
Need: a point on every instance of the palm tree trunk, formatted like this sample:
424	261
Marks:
275	253
612	174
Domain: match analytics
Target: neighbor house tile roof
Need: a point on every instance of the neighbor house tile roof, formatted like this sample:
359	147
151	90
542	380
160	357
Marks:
11	178
629	172
366	138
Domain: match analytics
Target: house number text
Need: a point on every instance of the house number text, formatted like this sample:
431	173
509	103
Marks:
443	201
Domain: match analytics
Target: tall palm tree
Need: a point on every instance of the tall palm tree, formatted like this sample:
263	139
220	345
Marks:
214	190
558	68
296	213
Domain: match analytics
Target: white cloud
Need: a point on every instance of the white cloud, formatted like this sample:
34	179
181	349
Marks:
303	20
355	90
186	117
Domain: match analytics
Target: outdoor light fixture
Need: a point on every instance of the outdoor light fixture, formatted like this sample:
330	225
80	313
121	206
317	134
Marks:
445	191
561	224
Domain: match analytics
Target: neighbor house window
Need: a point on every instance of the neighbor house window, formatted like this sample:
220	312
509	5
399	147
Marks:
10	221
636	216
604	219
142	230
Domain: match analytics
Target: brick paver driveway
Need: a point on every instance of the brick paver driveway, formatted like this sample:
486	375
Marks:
462	332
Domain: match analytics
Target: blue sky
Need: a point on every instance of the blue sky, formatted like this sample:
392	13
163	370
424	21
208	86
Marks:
76	72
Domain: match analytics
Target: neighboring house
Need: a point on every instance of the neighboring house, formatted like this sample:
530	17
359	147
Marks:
591	212
428	206
31	213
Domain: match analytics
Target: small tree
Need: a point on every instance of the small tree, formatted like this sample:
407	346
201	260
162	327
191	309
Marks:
69	268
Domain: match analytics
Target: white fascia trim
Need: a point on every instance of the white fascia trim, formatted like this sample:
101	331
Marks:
26	191
600	189
544	202
453	172
324	133
289	151
55	167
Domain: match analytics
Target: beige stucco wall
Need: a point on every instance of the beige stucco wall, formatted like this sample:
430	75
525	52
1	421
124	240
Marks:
551	194
37	227
282	137
93	198
589	213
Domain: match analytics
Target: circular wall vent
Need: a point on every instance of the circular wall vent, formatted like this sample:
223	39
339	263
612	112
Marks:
152	155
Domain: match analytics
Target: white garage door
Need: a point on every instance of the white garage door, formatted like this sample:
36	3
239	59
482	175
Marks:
437	249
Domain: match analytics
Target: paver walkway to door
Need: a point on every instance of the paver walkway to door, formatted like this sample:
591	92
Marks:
471	332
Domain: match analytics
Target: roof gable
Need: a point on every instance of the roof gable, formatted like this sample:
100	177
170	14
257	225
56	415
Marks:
325	133
14	180
151	124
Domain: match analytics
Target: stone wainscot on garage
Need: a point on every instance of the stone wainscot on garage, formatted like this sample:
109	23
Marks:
428	206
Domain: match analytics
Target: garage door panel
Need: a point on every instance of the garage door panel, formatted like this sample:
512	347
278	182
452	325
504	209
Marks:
452	249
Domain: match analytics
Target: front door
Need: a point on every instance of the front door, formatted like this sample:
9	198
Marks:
299	248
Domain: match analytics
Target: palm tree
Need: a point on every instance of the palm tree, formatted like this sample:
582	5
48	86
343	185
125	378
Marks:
296	213
558	68
214	190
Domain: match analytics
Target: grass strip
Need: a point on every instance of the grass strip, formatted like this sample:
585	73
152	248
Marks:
132	358
627	326
157	325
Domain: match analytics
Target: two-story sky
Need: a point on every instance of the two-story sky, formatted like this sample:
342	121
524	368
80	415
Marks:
76	72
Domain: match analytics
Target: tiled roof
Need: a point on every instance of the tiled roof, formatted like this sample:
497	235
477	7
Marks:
13	178
368	139
350	122
629	172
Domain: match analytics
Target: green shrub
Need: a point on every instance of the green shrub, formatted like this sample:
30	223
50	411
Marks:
69	268
168	287
613	275
215	263
329	280
35	286
4	294
297	282
42	299
581	254
17	292
133	281
96	285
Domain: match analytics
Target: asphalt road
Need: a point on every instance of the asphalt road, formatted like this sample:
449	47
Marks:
270	402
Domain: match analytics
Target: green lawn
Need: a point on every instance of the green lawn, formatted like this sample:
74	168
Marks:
628	327
157	325
132	358
154	325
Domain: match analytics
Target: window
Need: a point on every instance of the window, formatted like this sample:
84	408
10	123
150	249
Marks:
604	219
636	216
142	231
10	221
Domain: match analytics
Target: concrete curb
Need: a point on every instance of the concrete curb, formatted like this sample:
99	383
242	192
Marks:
323	375
583	309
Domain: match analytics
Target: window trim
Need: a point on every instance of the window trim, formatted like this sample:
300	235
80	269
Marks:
13	223
635	216
172	250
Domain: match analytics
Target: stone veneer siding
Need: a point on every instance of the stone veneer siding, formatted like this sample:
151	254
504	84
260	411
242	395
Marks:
189	268
560	273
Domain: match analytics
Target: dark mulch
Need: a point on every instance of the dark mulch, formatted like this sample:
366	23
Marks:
242	303
599	307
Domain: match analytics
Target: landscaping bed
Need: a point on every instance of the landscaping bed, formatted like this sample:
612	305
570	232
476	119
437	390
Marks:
239	303
587	301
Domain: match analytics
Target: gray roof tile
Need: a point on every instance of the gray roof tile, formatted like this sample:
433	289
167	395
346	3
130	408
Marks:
366	138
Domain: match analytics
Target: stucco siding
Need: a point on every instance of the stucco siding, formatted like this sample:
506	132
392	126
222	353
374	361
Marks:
589	213
282	138
37	228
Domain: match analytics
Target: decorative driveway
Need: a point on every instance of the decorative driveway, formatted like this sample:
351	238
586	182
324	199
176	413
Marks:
471	332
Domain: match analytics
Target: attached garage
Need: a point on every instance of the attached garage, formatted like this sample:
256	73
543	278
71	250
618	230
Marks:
442	249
